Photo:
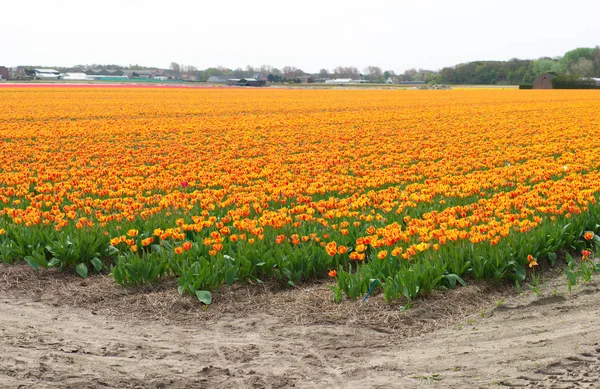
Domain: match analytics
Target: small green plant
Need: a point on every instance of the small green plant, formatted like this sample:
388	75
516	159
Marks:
534	286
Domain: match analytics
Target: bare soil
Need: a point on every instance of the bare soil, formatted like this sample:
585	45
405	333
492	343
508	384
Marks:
59	331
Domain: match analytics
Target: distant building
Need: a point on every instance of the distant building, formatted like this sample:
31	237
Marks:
3	73
251	82
342	81
104	72
339	81
218	79
141	73
260	77
258	80
597	81
76	76
389	80
46	74
544	81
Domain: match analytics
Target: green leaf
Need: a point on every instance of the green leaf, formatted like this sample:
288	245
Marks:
97	264
53	262
552	258
572	277
204	296
82	270
453	279
568	257
258	281
32	262
112	250
156	248
520	273
230	275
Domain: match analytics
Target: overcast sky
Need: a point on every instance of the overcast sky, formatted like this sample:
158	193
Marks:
310	34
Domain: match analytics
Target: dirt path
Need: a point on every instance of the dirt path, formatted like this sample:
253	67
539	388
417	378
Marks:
51	340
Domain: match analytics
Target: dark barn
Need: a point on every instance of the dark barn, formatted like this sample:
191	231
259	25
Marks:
544	81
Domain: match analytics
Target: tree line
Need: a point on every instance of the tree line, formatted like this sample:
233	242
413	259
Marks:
584	62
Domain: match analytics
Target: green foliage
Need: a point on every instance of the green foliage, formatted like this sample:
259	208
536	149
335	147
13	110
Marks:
446	268
545	65
82	270
573	56
573	81
135	270
37	260
511	72
197	271
204	296
81	248
584	61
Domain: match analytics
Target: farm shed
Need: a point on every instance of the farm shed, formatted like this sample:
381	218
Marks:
252	82
46	74
246	82
339	81
597	81
141	73
77	76
544	81
103	72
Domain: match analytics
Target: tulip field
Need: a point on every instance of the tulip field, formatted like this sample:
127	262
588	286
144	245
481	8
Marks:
398	192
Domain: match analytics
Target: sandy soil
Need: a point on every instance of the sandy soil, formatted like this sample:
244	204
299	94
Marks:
59	331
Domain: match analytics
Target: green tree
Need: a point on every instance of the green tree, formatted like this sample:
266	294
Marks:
572	57
583	67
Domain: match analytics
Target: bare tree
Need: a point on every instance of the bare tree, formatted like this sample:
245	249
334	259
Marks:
346	72
291	72
266	69
374	73
176	68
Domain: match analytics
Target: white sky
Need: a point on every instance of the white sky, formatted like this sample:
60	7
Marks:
310	34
